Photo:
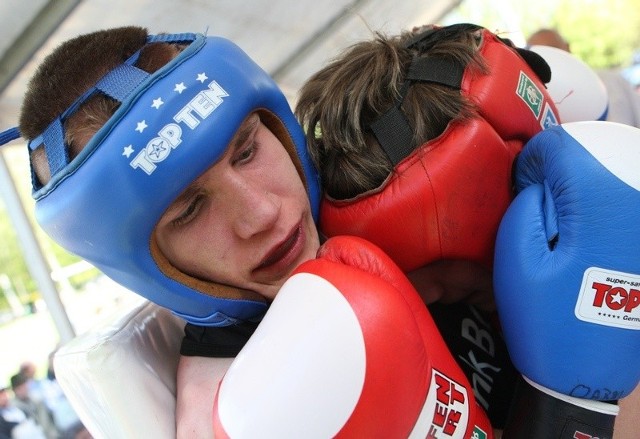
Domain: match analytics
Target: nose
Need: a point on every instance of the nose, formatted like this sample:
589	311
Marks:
254	209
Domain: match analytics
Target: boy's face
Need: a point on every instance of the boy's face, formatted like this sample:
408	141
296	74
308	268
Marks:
245	222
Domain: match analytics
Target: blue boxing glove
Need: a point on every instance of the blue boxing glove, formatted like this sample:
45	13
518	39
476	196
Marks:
567	265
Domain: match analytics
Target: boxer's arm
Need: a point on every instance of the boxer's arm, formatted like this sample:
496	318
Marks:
206	353
452	281
626	425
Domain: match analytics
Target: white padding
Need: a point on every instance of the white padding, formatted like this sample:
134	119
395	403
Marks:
302	372
610	409
615	145
576	89
121	378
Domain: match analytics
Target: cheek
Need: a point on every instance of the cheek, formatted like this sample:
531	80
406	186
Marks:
289	181
192	251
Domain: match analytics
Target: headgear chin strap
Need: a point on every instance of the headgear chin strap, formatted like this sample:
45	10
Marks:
171	126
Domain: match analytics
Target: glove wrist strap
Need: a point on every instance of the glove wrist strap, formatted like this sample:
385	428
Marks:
538	413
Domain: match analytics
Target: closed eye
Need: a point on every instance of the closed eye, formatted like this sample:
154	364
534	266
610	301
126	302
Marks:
190	212
246	154
246	144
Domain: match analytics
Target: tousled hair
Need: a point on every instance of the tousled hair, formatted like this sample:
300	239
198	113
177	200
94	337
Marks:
338	104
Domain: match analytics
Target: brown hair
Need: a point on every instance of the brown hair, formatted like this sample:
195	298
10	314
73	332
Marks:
338	104
58	82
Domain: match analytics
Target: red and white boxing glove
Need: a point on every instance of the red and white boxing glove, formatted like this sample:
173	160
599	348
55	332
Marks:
347	349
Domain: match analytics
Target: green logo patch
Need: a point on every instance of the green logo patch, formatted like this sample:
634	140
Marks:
530	94
478	433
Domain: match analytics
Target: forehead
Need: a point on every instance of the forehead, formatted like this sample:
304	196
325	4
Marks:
247	128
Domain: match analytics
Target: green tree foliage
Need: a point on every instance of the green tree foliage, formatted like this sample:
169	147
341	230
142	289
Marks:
12	262
603	33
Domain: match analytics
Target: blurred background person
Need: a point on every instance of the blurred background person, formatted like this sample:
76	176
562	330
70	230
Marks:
34	409
35	386
14	422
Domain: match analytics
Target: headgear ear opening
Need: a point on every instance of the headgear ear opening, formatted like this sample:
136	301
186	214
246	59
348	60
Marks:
104	204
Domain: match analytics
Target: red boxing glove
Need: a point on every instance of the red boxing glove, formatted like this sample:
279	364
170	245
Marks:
445	200
348	350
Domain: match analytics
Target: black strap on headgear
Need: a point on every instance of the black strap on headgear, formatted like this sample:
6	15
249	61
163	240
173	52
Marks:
392	129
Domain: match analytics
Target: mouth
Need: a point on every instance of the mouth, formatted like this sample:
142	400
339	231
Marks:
283	254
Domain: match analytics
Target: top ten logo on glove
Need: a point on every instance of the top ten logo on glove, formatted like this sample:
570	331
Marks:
609	298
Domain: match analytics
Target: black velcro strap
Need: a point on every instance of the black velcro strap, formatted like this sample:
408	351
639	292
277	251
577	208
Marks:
443	71
393	134
392	129
426	39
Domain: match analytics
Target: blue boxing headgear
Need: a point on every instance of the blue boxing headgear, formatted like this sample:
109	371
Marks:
171	126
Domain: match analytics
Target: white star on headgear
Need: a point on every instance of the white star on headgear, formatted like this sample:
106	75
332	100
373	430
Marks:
180	87
157	103
128	150
141	126
202	77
